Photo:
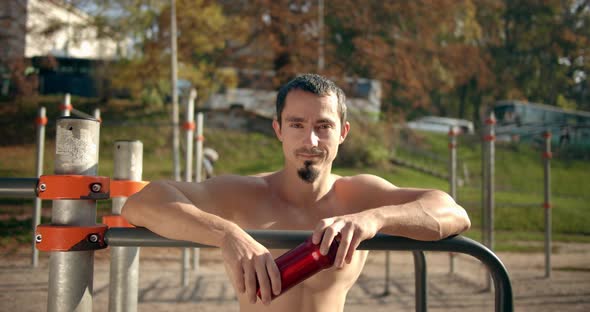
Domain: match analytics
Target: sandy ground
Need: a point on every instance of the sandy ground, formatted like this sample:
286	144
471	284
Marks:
25	289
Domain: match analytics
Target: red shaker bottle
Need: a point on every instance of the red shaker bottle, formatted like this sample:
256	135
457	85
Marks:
301	262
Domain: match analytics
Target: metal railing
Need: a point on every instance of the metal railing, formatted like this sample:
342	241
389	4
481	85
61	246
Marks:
18	187
290	239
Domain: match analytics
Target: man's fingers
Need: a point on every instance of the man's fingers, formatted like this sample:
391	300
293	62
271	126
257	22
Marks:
345	241
237	276
318	232
274	274
329	235
250	280
262	276
354	244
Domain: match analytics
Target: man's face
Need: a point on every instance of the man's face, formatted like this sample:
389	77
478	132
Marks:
310	132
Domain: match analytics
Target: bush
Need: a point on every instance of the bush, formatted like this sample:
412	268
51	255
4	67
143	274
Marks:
368	143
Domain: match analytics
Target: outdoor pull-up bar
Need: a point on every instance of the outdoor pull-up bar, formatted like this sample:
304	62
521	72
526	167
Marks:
290	239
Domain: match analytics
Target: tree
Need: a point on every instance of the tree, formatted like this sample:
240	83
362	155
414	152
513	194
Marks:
144	26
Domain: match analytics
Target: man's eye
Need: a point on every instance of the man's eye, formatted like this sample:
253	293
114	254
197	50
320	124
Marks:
325	126
296	125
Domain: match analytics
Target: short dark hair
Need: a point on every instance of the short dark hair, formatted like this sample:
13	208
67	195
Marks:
316	84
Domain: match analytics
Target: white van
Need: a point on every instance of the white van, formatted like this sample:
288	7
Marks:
441	124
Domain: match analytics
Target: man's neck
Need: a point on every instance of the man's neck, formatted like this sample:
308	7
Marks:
301	193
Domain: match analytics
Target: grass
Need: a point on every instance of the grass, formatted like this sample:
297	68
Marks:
519	215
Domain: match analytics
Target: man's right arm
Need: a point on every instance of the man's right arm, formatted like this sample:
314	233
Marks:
201	212
165	208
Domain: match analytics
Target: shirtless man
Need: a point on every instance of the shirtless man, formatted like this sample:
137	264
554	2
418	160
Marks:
304	195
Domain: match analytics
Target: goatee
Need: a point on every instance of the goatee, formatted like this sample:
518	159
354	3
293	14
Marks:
308	173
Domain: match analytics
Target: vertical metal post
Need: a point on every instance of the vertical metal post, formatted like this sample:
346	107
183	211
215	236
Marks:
547	155
320	35
124	269
41	122
96	114
198	174
71	273
199	149
453	132
488	186
174	70
386	291
421	286
66	107
189	127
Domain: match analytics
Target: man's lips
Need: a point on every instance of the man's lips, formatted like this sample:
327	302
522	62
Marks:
309	155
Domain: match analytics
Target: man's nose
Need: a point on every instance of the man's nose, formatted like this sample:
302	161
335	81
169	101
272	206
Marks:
312	138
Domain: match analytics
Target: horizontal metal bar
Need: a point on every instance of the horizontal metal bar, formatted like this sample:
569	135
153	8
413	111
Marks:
18	187
290	239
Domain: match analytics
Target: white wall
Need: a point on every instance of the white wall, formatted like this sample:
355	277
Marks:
72	40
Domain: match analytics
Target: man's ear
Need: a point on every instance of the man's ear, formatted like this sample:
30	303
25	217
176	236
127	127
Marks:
277	128
344	131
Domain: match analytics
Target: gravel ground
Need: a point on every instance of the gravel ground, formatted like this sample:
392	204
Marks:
25	289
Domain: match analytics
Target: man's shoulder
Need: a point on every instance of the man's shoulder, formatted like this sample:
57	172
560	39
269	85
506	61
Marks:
360	180
229	180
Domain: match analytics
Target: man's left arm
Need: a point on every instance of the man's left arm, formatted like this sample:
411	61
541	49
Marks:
379	206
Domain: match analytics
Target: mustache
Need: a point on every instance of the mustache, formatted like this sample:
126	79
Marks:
311	151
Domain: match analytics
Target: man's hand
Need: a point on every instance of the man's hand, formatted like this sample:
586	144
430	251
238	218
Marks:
247	261
353	229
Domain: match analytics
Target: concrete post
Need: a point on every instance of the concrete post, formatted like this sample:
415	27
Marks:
547	204
41	122
71	273
124	269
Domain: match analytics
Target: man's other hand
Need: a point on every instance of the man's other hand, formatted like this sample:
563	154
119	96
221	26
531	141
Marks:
353	229
247	261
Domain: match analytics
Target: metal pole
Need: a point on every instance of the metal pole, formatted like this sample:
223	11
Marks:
321	35
124	269
71	273
290	239
452	179
190	132
96	114
421	286
41	122
386	291
488	186
547	204
199	149
18	187
189	127
66	107
175	130
198	175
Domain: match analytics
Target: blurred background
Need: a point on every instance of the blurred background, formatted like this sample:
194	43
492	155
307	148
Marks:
410	69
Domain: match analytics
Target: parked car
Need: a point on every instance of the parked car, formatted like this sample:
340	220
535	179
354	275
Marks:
441	124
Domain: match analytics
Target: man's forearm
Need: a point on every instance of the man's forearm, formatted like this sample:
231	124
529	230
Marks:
433	216
167	212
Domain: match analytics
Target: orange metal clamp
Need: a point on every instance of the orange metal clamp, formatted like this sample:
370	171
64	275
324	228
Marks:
126	188
73	187
70	238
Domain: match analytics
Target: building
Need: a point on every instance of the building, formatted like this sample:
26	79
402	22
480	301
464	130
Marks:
41	28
